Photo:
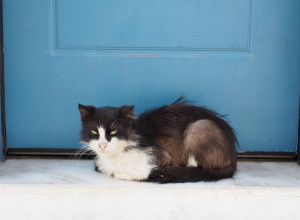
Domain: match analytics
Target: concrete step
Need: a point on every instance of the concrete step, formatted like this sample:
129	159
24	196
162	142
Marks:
71	189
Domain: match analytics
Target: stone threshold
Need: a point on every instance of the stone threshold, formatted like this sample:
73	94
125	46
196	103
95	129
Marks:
71	189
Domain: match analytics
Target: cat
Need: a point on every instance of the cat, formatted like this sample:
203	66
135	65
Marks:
176	143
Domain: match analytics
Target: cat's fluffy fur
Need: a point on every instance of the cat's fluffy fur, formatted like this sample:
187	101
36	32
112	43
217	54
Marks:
175	143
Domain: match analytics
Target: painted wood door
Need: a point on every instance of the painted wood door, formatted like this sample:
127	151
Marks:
238	57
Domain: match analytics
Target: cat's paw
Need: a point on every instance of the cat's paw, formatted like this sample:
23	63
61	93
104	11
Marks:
97	169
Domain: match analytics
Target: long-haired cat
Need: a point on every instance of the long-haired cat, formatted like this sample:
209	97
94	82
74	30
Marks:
171	144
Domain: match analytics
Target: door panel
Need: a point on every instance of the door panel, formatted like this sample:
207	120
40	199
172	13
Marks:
155	24
238	57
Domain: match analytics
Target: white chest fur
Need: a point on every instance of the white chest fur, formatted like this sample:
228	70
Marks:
133	164
114	159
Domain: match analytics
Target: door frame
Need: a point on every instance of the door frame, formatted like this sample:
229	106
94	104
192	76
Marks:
298	146
2	91
4	151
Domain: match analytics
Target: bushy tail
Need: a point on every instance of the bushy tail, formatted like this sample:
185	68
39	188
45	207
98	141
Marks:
188	174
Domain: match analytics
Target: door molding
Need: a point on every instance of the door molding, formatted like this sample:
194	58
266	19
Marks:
59	47
2	90
73	153
298	146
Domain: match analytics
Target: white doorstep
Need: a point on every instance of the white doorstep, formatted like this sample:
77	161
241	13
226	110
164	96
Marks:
71	189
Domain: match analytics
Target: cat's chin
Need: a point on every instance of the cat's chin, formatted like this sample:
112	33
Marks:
101	152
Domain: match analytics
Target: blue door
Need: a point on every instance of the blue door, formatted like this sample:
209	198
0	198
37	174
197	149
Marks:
238	57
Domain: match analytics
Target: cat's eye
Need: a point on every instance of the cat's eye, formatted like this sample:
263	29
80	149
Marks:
94	132
113	132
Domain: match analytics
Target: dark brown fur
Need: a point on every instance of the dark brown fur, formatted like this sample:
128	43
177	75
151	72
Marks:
182	130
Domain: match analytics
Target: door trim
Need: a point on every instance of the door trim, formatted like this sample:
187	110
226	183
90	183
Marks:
73	152
298	146
2	89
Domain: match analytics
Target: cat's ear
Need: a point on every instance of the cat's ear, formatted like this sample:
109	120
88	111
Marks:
86	111
126	112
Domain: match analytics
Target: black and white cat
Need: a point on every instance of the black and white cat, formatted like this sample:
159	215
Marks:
175	143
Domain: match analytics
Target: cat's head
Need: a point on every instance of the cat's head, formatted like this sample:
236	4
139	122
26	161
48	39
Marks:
106	129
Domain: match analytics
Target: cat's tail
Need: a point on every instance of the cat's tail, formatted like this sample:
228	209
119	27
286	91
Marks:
189	174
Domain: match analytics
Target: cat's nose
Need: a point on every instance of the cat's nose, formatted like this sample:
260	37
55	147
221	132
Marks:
103	145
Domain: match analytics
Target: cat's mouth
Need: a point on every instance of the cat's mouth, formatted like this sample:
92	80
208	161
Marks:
102	151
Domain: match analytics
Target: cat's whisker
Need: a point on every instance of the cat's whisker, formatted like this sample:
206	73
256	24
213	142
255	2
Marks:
77	154
83	152
112	125
73	155
91	153
80	155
